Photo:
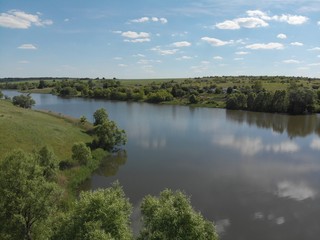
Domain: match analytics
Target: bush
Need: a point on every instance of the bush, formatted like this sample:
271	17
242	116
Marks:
24	101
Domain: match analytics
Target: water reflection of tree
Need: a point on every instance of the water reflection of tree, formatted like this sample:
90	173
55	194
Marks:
110	165
295	126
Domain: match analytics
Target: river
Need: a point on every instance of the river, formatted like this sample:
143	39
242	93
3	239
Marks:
256	175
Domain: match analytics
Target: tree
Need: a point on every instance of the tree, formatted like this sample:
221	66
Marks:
193	99
26	198
236	101
100	116
300	100
83	120
81	153
24	101
108	135
279	101
1	94
171	216
102	214
42	84
48	161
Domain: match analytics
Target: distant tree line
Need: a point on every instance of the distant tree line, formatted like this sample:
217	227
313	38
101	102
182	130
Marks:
297	95
295	100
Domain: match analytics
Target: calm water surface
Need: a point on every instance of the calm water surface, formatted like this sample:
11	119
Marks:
256	175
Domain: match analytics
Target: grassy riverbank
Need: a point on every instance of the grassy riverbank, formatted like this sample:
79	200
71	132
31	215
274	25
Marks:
30	130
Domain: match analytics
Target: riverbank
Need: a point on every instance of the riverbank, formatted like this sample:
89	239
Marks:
30	130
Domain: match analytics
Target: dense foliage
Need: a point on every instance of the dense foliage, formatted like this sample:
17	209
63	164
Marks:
26	197
254	93
24	101
108	135
171	216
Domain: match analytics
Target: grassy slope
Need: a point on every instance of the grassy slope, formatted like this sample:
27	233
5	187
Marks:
29	130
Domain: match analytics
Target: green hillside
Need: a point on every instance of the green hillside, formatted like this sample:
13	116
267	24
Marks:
29	130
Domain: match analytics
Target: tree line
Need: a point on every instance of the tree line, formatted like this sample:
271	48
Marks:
295	100
296	95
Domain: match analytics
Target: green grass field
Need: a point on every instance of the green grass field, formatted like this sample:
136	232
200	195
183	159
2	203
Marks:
30	130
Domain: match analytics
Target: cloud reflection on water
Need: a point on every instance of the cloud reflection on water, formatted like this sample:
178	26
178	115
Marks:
296	191
251	146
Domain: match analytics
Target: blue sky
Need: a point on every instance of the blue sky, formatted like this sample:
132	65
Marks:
159	39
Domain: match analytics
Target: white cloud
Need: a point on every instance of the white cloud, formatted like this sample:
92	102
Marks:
265	46
314	64
257	19
249	22
66	20
163	20
318	23
289	61
314	49
122	65
252	22
295	191
241	53
184	58
216	42
282	36
291	19
21	20
139	55
181	44
130	34
259	14
164	52
140	20
228	24
238	59
117	58
147	19
296	44
218	58
138	40
27	46
135	37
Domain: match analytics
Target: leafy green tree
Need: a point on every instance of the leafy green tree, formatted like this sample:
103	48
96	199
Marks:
193	99
100	116
81	153
109	136
236	101
68	91
300	100
257	86
48	161
279	101
250	101
102	214
83	120
26	198
159	96
24	101
42	84
263	102
171	216
1	94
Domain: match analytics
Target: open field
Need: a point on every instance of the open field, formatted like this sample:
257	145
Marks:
30	130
